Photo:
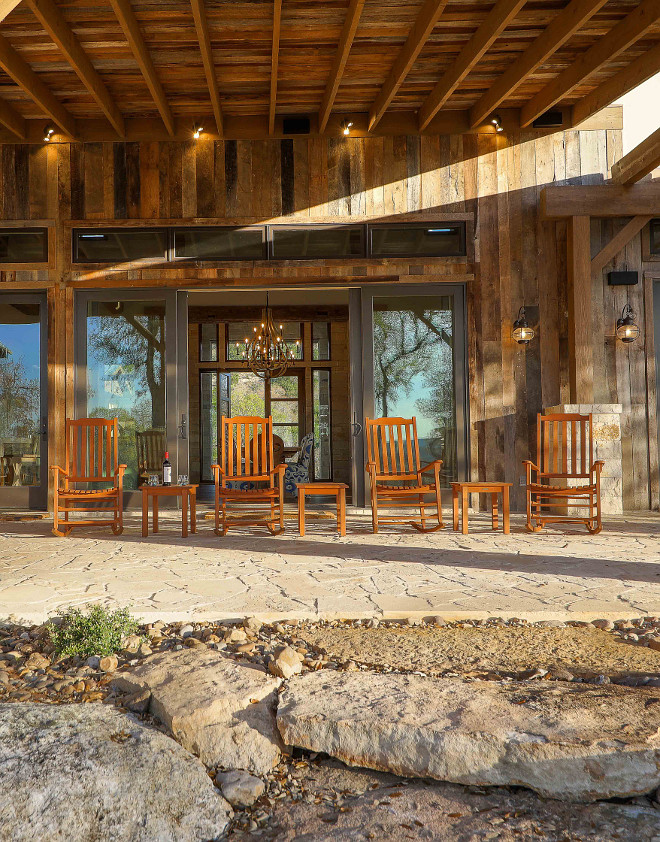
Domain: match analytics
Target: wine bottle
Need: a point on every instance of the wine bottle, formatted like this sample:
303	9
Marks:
167	470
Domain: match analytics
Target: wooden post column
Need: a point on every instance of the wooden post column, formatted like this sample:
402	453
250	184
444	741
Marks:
580	338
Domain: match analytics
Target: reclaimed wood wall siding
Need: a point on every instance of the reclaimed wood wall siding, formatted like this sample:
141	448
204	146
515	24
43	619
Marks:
515	257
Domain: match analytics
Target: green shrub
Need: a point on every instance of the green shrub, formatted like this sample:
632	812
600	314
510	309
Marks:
97	631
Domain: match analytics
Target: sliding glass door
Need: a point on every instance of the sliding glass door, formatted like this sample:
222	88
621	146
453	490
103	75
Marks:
23	402
414	365
131	365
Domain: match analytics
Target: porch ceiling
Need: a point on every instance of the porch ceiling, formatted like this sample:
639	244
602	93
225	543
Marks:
101	69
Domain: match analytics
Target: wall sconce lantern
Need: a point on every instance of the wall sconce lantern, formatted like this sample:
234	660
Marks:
49	131
346	126
198	130
627	330
496	122
522	332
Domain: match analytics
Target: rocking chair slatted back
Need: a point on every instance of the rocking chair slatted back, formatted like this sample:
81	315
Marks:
246	448
91	450
565	446
393	447
150	446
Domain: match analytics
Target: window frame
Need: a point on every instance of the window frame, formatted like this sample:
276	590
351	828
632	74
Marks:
156	229
654	227
179	228
319	226
31	229
379	226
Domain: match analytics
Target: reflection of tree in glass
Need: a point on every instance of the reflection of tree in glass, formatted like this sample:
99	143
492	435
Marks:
19	400
134	346
131	346
404	342
413	349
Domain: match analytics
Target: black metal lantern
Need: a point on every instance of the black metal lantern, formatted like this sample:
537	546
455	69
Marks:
523	333
627	330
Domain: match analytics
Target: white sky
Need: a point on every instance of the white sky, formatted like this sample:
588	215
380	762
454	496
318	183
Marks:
641	112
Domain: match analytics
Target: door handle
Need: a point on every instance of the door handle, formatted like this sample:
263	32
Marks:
357	427
44	426
183	427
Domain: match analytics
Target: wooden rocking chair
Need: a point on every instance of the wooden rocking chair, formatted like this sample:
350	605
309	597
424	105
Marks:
150	446
565	451
90	458
396	475
246	465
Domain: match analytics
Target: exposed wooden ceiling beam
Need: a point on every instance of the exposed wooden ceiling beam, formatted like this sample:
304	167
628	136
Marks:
601	200
7	6
14	121
496	21
131	28
618	39
620	83
565	24
640	161
59	30
204	38
21	72
418	36
339	62
274	62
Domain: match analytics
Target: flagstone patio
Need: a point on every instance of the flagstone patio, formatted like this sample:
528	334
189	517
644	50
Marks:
557	575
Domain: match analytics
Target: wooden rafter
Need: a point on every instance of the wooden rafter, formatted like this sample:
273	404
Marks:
617	243
623	35
565	24
418	36
21	72
494	24
204	38
11	119
620	83
128	22
339	63
274	63
59	30
639	162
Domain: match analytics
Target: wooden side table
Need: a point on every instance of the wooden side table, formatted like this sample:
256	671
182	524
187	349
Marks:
188	495
492	488
323	489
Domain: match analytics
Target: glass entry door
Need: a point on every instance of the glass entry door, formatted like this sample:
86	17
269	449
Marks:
23	402
414	365
132	365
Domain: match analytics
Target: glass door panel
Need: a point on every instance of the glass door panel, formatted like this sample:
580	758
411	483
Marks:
417	368
126	379
23	438
322	424
130	355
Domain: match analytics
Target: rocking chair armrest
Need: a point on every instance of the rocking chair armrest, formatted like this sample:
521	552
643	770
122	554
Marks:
432	466
56	468
597	467
371	467
217	471
279	469
530	466
119	470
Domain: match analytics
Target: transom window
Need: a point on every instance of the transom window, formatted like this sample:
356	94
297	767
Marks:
655	236
341	241
23	245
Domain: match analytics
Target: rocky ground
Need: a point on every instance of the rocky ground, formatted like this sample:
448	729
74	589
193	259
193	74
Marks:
301	793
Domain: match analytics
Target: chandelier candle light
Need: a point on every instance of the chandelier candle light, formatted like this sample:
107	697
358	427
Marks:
266	352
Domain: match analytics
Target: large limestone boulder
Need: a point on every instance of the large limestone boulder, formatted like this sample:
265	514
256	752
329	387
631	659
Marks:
222	711
90	772
574	741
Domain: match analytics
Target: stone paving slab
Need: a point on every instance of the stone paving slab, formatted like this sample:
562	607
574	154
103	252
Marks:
560	574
